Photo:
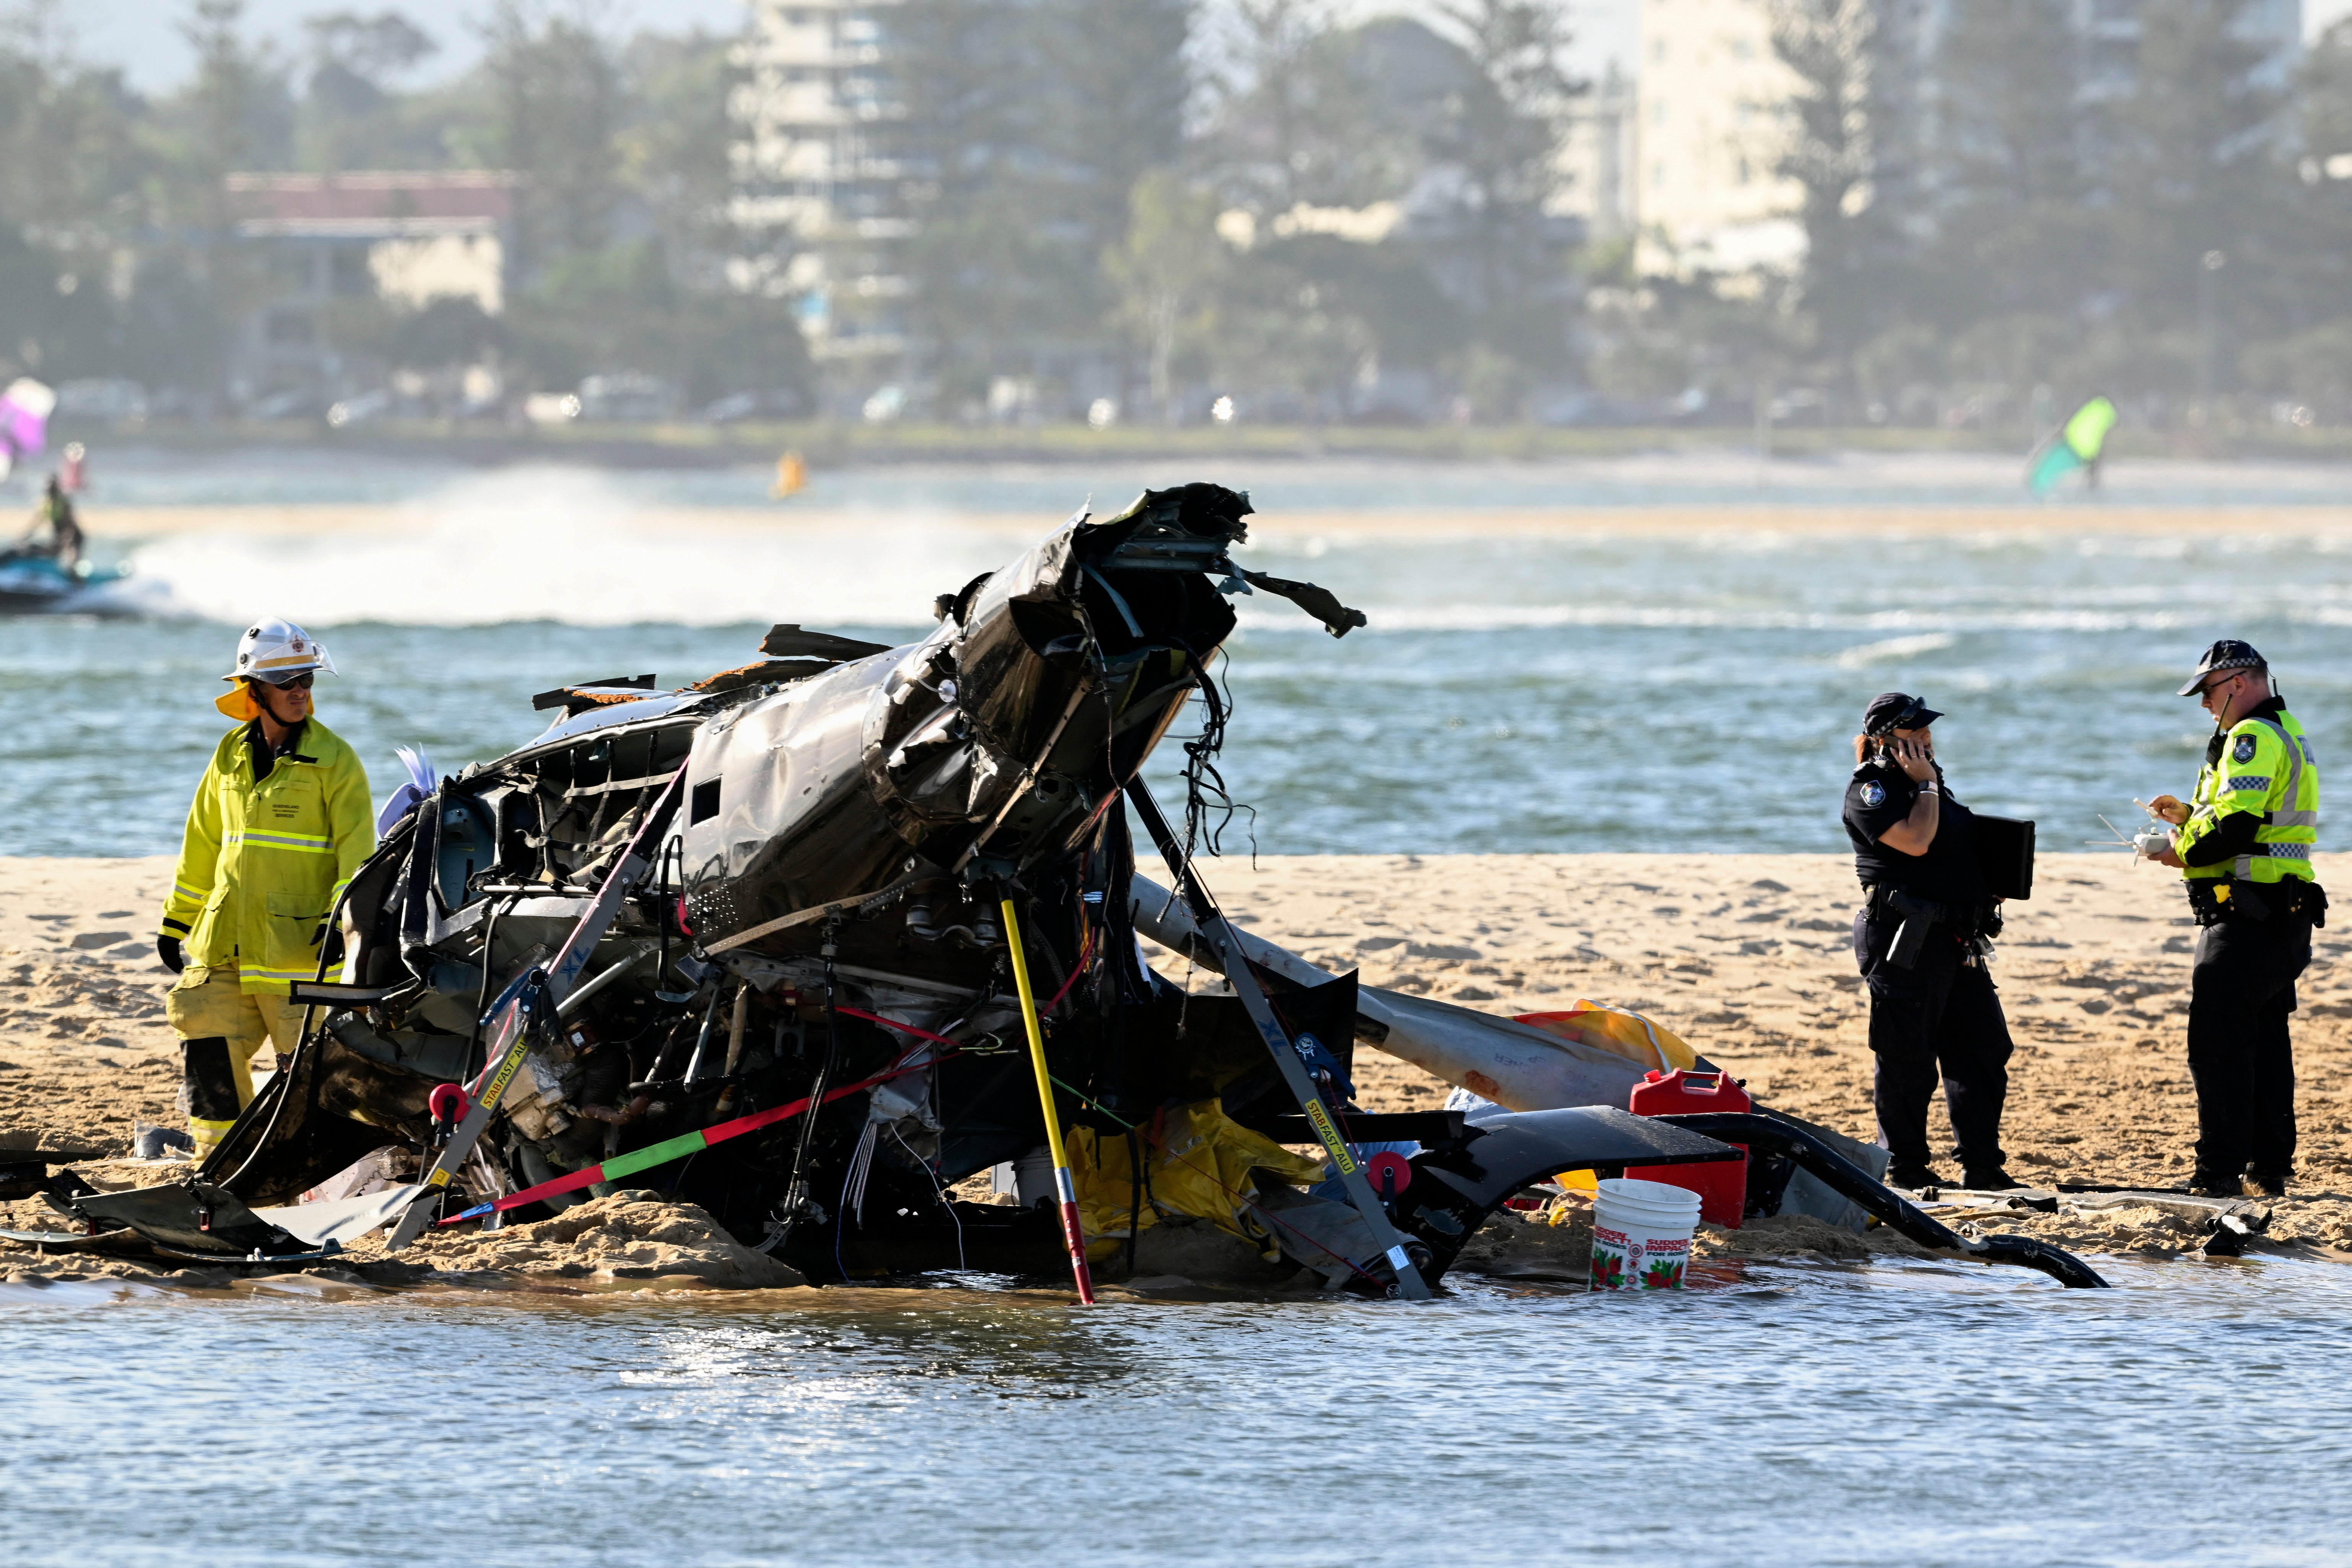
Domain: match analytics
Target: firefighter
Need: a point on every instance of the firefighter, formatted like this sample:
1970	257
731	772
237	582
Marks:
279	824
2243	842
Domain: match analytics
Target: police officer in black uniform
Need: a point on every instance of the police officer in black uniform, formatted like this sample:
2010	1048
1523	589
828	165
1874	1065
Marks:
1922	937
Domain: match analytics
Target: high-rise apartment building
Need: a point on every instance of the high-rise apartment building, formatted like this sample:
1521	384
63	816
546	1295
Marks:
1596	158
816	184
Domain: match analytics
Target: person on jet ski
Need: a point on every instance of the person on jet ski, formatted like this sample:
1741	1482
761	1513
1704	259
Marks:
56	514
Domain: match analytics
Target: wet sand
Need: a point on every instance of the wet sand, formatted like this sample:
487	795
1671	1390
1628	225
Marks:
1747	957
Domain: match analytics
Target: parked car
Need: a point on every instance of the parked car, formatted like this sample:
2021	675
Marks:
110	398
778	402
626	396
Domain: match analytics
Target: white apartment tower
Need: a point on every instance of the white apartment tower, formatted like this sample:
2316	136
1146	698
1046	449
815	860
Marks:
816	186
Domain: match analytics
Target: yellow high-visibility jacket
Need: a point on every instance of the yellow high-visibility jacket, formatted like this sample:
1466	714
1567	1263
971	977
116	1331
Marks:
262	864
2266	768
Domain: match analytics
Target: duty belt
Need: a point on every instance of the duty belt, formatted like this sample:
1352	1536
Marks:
1970	922
2214	899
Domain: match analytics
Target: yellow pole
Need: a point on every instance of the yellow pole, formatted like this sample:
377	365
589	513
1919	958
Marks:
1063	1188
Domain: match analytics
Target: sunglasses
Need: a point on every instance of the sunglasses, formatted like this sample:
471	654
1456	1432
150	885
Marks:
1906	718
2218	682
287	683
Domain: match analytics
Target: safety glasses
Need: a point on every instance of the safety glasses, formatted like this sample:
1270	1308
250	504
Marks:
288	682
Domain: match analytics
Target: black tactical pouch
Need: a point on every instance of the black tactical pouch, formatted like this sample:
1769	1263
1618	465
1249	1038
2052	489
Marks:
2215	899
1911	936
2308	899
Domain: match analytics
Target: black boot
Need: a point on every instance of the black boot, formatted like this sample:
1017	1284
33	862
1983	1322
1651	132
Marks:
2266	1183
1913	1178
1988	1179
2206	1183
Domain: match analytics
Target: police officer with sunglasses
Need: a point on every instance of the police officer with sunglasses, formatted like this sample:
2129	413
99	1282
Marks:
2243	842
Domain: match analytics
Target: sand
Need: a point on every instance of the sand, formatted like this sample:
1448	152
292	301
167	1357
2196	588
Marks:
1749	957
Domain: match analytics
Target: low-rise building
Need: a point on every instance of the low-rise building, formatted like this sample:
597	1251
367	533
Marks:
404	237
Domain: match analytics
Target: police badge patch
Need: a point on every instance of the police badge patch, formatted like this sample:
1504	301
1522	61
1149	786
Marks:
1874	794
2243	751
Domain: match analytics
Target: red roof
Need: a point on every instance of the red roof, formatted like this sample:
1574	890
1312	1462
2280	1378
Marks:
467	198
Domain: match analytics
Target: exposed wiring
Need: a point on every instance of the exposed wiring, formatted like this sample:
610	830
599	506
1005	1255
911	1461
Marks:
942	1193
1205	787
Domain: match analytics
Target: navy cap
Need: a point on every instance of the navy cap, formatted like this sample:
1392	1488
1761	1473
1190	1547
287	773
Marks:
1897	710
2227	654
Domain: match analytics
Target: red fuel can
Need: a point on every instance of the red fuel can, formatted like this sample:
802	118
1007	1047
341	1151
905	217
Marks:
1722	1187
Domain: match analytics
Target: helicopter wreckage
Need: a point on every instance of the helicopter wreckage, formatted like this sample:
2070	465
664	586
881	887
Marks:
809	942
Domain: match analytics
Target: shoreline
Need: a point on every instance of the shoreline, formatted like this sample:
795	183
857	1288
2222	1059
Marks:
1746	957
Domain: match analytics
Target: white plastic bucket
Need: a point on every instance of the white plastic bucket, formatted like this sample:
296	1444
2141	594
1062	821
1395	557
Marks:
1641	1235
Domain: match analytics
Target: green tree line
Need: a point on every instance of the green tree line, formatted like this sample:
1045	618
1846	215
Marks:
1152	196
118	250
2158	212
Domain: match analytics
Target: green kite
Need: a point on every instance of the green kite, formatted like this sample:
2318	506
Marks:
2077	444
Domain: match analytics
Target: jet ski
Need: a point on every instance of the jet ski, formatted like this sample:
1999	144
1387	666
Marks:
32	582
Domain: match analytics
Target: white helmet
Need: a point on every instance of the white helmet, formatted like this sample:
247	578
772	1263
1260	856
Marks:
274	647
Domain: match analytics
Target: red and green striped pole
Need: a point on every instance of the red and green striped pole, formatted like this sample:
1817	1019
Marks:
677	1148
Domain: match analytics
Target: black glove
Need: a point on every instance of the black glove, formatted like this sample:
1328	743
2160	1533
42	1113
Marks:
167	948
333	951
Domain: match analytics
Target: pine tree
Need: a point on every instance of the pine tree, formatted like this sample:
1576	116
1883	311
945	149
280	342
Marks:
1028	124
2192	164
1510	271
1852	148
2018	249
557	94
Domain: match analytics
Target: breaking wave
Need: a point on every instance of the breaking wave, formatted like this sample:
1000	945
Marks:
564	545
1889	649
575	547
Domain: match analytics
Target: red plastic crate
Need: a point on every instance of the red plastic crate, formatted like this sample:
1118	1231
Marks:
1722	1187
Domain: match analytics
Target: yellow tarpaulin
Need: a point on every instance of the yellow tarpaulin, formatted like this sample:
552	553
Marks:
1198	1161
1613	1029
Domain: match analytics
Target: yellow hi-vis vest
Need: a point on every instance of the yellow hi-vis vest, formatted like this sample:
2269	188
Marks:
262	864
2266	768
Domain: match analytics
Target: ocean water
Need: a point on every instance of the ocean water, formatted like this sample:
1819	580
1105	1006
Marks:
1730	474
1631	690
1928	1415
1624	690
